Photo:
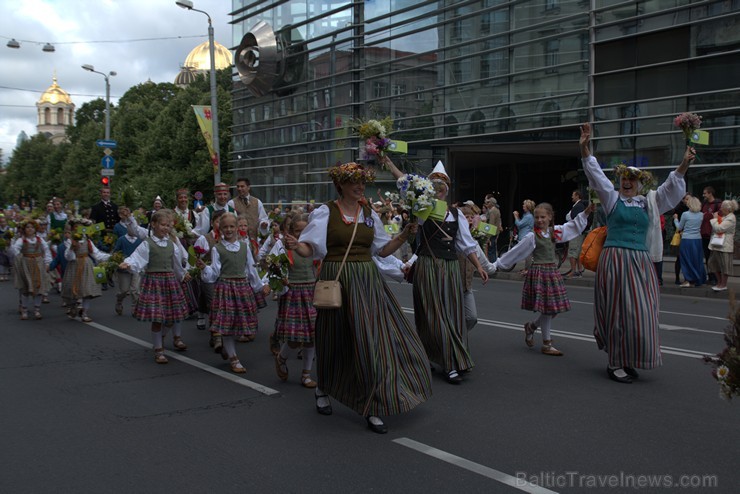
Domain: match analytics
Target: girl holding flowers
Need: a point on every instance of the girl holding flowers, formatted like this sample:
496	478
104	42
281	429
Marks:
31	264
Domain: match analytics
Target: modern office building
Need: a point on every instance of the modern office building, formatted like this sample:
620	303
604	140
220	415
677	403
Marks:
495	89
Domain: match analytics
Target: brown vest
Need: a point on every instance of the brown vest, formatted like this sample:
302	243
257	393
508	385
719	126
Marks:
250	212
339	233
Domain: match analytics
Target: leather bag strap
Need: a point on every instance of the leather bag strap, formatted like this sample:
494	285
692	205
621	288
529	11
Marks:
357	218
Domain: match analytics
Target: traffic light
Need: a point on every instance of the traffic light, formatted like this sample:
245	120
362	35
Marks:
105	181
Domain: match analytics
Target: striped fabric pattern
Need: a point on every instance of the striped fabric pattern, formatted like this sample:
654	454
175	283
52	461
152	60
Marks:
296	317
439	312
234	310
160	299
191	291
544	291
626	306
368	356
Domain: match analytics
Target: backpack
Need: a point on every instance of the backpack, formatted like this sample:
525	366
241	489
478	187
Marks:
591	248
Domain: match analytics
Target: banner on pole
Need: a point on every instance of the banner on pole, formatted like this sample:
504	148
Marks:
203	114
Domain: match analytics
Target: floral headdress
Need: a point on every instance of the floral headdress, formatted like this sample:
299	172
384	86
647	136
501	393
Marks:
351	172
30	221
643	176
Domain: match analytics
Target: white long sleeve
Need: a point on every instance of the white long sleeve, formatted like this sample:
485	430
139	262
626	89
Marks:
17	245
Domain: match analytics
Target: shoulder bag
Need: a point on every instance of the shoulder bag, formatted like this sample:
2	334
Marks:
328	293
592	247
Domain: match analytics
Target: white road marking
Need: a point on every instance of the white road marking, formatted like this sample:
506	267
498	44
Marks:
177	356
471	466
681	352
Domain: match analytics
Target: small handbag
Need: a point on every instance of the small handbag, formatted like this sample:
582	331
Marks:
327	294
717	240
676	240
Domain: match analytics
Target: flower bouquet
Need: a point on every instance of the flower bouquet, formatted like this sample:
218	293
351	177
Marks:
375	133
140	217
56	236
277	271
111	265
109	240
726	364
689	123
183	228
419	192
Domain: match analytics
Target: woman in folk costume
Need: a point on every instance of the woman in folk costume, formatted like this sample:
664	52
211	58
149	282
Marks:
30	265
79	285
627	296
368	356
441	323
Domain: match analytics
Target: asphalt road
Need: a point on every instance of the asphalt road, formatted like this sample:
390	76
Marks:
86	409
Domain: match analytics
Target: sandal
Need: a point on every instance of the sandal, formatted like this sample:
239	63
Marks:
179	344
45	300
24	315
548	349
281	368
37	314
85	318
306	380
529	329
236	366
159	356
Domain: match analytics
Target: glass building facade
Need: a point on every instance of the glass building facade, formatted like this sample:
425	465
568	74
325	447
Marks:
495	89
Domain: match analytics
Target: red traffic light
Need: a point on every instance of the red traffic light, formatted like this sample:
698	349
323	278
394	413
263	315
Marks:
105	181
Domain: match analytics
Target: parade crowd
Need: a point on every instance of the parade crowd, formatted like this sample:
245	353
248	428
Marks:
219	264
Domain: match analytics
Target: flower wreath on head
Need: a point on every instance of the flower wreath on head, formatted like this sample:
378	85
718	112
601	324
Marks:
29	221
351	172
643	176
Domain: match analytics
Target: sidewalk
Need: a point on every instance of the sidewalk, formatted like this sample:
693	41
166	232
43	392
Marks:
669	277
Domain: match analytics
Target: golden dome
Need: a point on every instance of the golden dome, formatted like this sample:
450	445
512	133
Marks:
199	58
55	95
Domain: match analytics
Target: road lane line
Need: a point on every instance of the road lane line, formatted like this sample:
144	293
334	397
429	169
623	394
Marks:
471	466
681	352
195	363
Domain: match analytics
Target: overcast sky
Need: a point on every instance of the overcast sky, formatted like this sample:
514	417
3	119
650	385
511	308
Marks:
75	28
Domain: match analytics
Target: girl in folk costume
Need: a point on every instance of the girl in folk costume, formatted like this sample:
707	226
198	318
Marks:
203	247
57	217
234	310
78	284
243	235
127	282
161	300
544	290
296	319
438	285
31	263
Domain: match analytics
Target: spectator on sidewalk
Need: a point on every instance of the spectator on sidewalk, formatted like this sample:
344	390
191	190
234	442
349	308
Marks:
710	206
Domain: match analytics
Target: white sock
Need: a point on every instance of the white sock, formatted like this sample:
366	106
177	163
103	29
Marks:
177	329
308	354
286	352
85	304
26	301
321	401
201	319
229	345
157	339
37	301
545	322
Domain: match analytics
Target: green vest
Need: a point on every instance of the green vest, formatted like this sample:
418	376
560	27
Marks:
301	271
160	258
233	264
339	233
627	227
544	252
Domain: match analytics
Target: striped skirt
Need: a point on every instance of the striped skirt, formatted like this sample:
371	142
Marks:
544	290
296	317
626	306
439	312
368	356
29	275
160	299
191	291
234	310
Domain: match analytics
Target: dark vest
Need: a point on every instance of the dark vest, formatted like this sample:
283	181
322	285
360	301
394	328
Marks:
438	238
339	233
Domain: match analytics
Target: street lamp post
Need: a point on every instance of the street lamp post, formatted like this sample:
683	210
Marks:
107	76
187	4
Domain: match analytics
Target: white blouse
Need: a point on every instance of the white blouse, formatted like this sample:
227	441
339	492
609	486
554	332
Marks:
318	222
211	272
96	253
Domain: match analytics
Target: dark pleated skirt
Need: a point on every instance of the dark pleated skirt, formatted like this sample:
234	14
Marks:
368	356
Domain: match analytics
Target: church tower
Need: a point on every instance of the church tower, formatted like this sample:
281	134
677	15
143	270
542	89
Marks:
55	112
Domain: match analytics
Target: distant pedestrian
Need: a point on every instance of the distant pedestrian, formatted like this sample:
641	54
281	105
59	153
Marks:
690	249
710	206
574	244
723	225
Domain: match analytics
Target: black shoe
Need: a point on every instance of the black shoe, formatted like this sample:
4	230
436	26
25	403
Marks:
111	283
626	379
104	287
631	372
200	326
326	409
380	428
453	377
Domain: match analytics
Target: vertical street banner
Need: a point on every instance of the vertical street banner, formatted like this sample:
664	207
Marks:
203	114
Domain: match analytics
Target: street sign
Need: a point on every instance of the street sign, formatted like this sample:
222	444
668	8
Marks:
107	151
108	162
107	172
106	143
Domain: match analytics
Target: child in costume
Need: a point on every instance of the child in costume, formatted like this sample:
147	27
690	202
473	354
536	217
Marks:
543	290
127	282
78	285
234	309
161	300
30	267
203	247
